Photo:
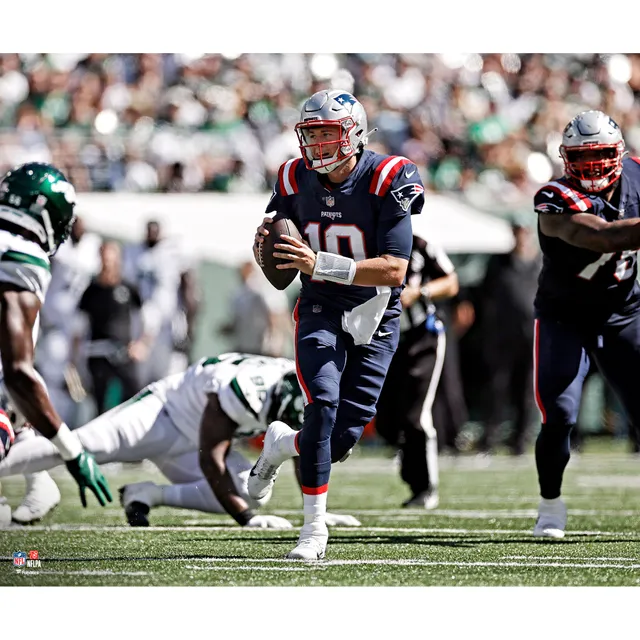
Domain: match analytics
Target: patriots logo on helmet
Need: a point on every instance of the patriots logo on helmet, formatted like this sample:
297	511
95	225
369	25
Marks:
406	194
346	100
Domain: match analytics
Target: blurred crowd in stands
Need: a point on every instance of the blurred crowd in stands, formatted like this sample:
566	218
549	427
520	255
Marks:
484	126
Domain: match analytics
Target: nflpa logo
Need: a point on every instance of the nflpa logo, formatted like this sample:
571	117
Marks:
33	555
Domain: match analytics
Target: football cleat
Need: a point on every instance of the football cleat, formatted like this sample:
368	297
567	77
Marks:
137	500
42	496
552	519
423	500
267	467
312	543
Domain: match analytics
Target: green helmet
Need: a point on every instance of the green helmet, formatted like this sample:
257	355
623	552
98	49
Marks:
38	198
286	402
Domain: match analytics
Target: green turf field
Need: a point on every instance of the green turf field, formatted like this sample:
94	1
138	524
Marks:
480	535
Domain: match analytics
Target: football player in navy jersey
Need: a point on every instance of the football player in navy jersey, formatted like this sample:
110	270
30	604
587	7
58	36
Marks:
588	300
354	208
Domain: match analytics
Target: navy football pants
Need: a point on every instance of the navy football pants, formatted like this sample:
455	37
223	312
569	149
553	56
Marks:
561	363
341	383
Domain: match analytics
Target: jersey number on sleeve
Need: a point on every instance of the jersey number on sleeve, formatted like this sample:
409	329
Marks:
623	270
332	235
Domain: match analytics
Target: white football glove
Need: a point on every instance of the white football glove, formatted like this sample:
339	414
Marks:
269	522
339	520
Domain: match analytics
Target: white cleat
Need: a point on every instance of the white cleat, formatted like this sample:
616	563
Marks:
552	519
312	543
425	500
41	497
265	471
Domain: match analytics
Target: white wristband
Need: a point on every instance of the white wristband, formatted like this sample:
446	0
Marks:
67	443
334	268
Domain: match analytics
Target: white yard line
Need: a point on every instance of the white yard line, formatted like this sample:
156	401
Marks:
428	563
82	572
242	532
596	559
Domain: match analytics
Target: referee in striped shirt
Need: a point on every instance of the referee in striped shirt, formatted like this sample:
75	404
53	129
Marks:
404	416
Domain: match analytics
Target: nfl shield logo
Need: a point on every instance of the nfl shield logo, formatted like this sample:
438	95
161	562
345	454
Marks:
330	201
19	558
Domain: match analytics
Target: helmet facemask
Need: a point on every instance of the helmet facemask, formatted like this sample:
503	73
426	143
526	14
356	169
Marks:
600	171
321	161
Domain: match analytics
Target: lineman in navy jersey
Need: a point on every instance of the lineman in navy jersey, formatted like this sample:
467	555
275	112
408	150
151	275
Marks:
588	301
354	208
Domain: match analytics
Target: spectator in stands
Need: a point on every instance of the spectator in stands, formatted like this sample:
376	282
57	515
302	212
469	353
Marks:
107	309
260	320
154	266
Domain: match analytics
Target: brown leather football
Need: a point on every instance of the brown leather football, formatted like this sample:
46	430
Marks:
279	278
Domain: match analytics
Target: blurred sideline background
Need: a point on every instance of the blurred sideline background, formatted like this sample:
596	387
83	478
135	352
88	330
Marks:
193	142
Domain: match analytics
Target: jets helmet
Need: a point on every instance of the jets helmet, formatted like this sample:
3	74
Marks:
286	402
332	108
38	198
592	131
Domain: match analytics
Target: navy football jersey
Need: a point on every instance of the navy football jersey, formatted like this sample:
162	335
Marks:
366	216
579	285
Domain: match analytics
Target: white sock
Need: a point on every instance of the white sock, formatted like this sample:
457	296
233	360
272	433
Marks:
32	478
315	508
194	495
551	503
288	444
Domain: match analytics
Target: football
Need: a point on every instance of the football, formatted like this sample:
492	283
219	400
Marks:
279	278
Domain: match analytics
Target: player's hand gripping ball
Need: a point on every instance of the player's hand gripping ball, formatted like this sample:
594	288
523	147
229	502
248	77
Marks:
264	250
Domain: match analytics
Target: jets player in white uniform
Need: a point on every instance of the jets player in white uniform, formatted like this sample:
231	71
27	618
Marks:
36	213
185	424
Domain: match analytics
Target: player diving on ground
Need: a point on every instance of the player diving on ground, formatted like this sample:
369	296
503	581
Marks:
185	424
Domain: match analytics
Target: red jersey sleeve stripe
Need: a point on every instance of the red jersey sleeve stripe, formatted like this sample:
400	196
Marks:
385	173
378	171
281	179
287	177
391	175
293	165
571	197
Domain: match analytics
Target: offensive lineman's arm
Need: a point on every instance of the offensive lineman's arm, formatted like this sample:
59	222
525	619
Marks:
587	231
216	432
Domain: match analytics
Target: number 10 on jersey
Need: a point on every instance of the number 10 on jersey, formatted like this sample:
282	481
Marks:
332	236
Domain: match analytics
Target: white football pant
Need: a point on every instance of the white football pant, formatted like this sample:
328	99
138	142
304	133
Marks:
139	430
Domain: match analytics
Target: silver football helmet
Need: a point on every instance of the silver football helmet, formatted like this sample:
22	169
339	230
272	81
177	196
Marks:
592	149
331	108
